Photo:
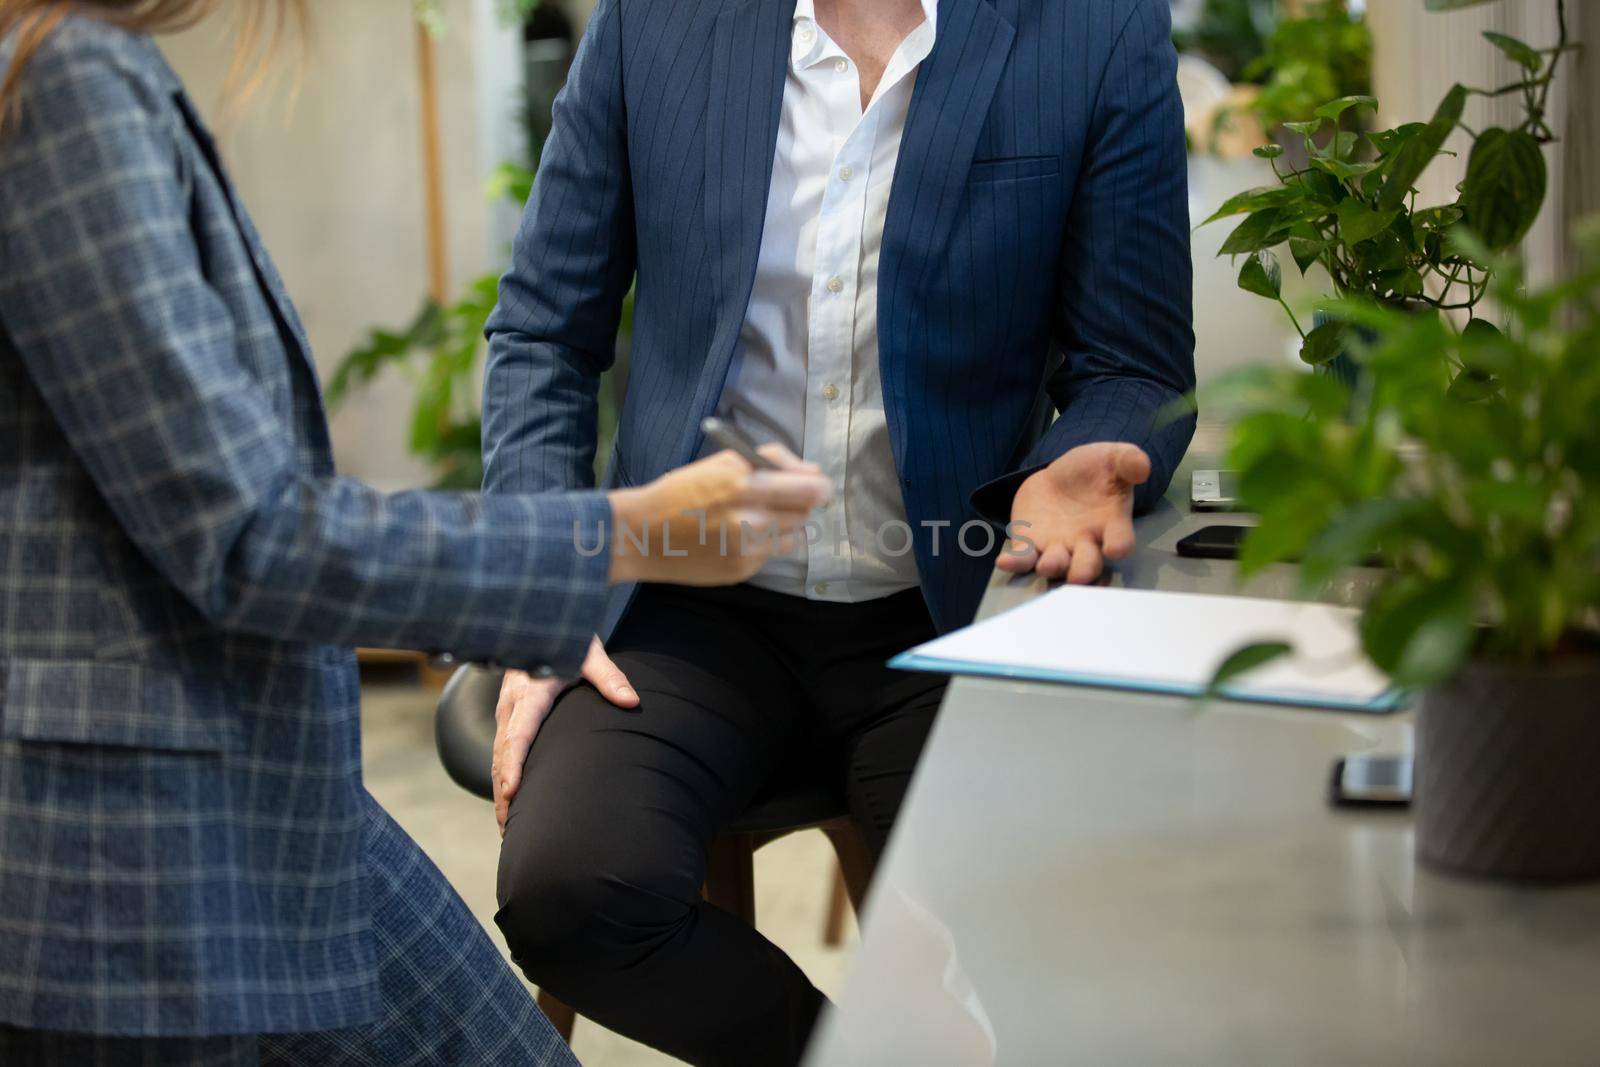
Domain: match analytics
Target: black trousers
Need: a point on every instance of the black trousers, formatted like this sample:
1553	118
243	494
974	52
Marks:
606	842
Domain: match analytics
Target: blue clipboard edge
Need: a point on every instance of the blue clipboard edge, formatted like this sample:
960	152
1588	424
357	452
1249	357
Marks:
1387	703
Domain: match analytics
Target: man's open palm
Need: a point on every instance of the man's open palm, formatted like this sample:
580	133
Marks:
1077	513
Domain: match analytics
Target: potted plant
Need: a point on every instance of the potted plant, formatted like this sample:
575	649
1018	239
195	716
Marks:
1352	209
1468	463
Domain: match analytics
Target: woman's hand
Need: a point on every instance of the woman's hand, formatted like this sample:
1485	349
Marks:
525	702
714	522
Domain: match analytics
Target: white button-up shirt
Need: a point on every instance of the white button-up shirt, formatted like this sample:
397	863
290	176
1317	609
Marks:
805	371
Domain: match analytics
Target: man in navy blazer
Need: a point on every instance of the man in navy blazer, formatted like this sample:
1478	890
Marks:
895	235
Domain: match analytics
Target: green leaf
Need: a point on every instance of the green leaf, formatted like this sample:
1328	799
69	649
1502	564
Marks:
1255	200
1261	275
1296	515
1472	386
1304	129
1358	222
1325	343
1339	146
1525	503
1334	108
1342	170
1323	187
1407	283
1351	538
1519	52
1418	630
1438	218
1463	243
1261	230
1305	251
1387	141
1244	660
1484	349
1504	187
1416	153
1267	151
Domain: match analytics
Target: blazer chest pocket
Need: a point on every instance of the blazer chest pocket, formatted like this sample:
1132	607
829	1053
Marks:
129	705
1014	168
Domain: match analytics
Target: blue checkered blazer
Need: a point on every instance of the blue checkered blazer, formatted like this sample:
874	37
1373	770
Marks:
181	572
1035	253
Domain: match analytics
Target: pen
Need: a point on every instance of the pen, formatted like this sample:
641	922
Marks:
725	434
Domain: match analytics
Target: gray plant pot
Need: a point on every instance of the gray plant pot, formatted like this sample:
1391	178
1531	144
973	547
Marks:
1508	772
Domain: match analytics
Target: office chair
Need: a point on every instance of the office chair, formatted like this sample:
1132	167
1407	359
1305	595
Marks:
795	800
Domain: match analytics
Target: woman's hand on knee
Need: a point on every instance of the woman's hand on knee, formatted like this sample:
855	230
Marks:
525	702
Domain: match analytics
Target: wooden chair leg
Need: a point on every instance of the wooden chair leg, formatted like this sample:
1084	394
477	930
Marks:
855	860
560	1015
838	907
730	876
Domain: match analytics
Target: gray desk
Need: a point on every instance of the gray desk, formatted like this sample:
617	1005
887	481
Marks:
1085	876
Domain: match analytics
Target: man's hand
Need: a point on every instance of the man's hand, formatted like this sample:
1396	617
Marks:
1078	513
524	703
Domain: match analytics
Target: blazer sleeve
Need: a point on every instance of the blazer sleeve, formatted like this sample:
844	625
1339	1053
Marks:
1125	308
133	352
554	331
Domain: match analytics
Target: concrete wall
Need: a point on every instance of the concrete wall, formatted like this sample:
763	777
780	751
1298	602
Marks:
329	164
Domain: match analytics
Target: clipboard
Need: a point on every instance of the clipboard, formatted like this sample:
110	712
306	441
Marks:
1170	643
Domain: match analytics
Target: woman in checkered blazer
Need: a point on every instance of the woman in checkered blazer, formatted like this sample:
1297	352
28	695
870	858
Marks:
190	868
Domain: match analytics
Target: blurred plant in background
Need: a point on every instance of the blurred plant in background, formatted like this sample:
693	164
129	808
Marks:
1229	34
1309	60
441	349
1283	59
431	12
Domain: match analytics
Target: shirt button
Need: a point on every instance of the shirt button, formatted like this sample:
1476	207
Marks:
846	173
841	65
806	33
830	392
835	284
821	588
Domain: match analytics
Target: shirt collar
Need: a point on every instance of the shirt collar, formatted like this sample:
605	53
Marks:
807	9
805	16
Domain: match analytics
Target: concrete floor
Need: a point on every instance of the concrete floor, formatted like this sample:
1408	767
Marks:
794	876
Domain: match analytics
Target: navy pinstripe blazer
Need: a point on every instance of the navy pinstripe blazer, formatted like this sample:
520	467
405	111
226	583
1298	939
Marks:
180	568
1036	248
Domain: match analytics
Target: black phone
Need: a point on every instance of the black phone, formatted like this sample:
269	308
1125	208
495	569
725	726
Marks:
1213	542
1370	782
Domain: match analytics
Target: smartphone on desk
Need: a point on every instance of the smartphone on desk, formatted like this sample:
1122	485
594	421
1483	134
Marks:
1213	542
1370	782
1214	491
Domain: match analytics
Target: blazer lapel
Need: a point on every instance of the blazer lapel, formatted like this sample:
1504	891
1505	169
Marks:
749	62
949	105
266	273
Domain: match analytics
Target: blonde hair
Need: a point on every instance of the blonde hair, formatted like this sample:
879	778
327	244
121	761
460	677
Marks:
262	26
